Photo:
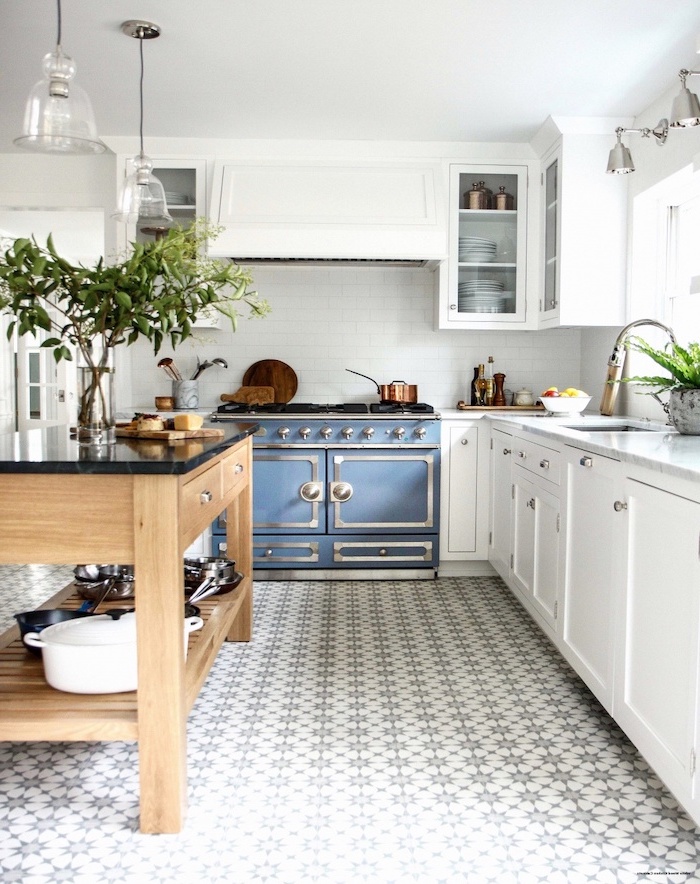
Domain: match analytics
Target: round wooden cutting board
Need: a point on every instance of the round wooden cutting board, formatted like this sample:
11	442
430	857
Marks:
272	373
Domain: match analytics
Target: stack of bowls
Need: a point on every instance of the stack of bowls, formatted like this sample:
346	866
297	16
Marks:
476	250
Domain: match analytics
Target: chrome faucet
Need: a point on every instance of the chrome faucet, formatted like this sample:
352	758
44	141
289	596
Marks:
616	361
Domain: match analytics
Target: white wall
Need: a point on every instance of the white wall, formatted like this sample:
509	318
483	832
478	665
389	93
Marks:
653	164
376	321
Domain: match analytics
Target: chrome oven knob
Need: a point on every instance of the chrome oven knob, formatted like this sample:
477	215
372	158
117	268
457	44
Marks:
305	432
400	432
368	432
347	432
326	432
420	432
283	432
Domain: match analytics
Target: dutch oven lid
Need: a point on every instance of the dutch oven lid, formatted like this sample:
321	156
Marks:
101	630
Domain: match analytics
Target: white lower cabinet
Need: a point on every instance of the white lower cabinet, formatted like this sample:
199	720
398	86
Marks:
464	491
617	588
534	524
591	568
535	545
501	498
656	681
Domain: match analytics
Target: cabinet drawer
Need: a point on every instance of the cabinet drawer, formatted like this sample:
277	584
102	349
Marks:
202	499
234	471
537	459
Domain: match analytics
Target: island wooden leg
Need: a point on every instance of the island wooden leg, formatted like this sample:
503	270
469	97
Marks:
239	543
162	719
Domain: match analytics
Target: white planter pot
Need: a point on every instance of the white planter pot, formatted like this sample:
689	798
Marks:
684	411
98	659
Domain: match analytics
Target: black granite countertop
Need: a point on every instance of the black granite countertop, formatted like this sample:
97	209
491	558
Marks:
54	450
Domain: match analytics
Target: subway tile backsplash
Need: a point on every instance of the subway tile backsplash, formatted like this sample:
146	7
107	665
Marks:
376	321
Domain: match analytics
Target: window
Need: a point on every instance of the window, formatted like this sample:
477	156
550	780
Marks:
683	269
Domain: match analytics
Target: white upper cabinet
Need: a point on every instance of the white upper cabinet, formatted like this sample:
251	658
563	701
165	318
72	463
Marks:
486	284
583	232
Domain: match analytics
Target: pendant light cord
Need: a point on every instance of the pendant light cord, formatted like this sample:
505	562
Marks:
140	91
58	17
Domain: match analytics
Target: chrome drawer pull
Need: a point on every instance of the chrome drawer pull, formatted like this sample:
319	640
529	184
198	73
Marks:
311	491
464	441
522	454
586	461
341	491
238	468
507	450
618	506
544	464
206	497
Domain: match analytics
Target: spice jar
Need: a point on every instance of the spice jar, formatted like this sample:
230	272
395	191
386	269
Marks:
475	198
488	194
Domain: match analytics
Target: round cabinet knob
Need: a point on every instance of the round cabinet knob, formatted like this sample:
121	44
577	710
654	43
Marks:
347	432
453	306
342	491
268	553
619	506
522	454
420	432
238	468
507	450
310	491
368	432
305	432
464	441
283	432
383	552
400	432
206	497
326	432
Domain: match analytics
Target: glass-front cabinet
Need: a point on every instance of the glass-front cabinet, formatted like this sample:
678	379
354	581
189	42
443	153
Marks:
550	299
486	280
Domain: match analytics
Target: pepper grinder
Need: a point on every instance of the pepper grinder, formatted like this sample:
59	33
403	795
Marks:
499	396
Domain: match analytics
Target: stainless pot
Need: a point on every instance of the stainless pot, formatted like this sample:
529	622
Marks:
90	581
94	655
396	391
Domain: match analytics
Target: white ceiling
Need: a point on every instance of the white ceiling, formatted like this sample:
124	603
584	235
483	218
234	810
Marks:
425	70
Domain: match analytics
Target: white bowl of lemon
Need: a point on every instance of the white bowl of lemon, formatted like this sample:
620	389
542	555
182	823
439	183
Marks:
568	401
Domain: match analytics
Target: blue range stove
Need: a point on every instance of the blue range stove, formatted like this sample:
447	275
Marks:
343	491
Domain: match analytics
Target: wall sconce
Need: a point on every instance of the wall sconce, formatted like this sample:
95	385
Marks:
142	196
620	159
685	111
58	116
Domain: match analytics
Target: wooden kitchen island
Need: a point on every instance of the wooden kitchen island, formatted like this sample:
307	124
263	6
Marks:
132	502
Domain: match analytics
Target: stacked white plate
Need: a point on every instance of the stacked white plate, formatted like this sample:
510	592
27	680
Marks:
476	249
481	296
177	199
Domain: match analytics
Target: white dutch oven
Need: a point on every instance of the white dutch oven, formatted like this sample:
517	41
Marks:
99	659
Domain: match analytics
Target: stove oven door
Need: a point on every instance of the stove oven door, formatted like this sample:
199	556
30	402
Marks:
289	490
383	492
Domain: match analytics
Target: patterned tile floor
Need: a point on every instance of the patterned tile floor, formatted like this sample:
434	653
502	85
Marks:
404	732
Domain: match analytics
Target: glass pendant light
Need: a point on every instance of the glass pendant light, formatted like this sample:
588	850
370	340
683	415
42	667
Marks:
58	116
142	197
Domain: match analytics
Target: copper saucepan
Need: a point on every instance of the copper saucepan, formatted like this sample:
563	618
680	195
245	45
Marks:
396	391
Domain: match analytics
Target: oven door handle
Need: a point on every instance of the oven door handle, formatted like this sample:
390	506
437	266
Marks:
312	492
341	491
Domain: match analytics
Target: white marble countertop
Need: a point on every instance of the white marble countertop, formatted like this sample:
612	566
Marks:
657	446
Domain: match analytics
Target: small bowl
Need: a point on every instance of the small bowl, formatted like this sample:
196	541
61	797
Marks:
565	404
35	621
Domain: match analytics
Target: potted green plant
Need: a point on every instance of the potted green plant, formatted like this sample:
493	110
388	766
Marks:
682	382
155	291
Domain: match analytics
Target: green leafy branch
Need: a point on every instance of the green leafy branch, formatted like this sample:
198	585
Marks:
157	291
682	363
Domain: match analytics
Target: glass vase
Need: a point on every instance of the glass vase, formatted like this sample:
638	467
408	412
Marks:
96	412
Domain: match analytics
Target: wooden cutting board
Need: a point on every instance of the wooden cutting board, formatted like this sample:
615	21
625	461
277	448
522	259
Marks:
168	435
272	373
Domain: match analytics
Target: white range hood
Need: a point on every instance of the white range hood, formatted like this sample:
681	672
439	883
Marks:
325	212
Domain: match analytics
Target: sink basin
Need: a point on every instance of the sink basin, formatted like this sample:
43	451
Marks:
617	428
